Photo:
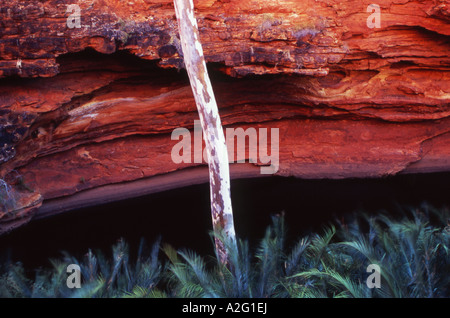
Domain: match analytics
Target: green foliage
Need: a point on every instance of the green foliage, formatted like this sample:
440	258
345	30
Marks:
412	253
101	277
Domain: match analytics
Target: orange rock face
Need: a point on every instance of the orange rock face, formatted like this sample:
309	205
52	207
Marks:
90	95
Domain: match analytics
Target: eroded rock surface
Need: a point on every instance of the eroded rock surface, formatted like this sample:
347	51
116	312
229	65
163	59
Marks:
84	109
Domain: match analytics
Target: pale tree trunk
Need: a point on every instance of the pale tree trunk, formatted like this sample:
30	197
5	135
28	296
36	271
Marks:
219	176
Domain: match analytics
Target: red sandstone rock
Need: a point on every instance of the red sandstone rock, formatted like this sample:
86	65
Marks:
348	100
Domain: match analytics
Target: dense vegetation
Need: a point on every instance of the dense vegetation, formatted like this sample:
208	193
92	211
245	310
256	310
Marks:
412	252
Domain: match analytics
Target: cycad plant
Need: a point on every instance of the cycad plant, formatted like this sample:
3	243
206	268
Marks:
101	276
412	253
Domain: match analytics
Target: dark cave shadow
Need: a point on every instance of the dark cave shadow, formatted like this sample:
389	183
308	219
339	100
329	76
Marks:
182	218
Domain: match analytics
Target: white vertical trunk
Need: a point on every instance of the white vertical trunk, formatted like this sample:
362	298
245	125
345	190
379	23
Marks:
219	177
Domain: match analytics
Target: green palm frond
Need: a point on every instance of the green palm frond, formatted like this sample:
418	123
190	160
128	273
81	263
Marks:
293	260
142	292
318	249
92	289
344	286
